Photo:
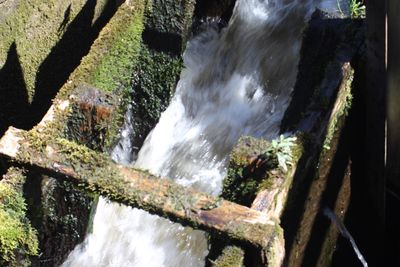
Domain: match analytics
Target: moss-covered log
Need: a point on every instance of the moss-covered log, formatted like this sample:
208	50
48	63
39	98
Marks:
255	177
95	173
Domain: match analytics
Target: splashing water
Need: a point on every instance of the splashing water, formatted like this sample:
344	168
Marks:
236	81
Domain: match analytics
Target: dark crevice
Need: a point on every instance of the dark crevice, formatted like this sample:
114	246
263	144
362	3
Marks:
217	245
291	218
170	43
392	228
214	13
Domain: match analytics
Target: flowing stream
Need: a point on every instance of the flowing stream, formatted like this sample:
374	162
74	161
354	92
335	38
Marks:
236	81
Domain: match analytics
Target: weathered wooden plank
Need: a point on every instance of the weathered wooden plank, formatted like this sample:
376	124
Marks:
94	172
272	199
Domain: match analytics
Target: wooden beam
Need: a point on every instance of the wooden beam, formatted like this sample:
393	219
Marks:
94	172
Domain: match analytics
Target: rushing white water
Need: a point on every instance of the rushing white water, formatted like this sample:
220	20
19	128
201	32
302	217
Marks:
236	81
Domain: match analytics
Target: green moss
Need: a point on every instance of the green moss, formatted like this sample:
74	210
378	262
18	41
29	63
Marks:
93	169
239	186
345	99
259	235
114	71
256	165
247	168
231	256
18	240
75	153
33	26
154	81
111	60
170	16
114	52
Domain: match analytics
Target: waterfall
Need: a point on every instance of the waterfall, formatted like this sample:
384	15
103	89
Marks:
236	81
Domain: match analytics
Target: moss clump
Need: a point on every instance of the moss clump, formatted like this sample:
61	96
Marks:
76	153
232	256
239	186
256	165
154	81
170	16
248	167
18	240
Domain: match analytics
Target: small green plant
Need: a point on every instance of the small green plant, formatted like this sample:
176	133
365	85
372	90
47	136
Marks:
282	148
357	9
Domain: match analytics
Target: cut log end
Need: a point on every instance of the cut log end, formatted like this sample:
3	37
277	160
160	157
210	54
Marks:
9	143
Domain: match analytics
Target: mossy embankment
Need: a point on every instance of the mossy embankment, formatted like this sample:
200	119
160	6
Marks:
118	66
41	43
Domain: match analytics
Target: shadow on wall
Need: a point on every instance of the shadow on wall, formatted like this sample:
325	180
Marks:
15	109
14	97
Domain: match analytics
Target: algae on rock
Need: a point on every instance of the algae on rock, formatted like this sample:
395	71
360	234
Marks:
154	81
